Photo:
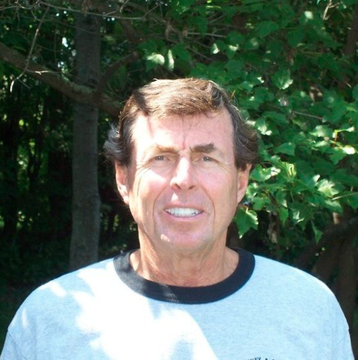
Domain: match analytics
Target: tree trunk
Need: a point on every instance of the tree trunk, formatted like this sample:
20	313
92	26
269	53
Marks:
352	37
86	202
346	281
10	165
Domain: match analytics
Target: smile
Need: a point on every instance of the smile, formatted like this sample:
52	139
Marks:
183	212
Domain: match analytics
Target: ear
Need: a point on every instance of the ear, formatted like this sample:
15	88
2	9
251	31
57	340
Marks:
122	181
243	180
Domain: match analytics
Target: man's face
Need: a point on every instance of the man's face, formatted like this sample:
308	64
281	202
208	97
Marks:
182	185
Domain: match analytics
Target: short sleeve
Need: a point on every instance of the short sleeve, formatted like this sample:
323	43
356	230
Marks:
10	350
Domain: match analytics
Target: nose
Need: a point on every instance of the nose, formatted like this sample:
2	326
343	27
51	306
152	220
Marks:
183	177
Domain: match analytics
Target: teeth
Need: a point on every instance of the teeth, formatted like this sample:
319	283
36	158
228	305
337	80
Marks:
182	212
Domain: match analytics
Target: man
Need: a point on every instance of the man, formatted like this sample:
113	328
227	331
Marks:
182	156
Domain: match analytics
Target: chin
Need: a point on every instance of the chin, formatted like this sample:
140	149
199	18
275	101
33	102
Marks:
184	243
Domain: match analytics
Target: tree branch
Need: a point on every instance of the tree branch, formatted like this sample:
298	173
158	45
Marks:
110	71
78	93
31	49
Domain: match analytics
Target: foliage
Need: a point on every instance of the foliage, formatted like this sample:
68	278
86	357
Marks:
289	65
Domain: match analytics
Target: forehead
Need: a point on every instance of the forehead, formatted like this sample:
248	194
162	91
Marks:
181	131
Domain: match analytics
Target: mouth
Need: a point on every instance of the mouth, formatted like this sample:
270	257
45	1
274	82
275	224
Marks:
183	212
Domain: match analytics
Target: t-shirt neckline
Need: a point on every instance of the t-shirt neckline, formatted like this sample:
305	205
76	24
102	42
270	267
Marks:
186	295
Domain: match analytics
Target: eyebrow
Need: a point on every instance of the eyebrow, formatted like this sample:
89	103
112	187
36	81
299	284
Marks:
204	148
200	148
161	148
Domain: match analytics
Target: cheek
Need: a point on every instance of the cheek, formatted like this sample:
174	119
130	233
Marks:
223	184
225	197
146	188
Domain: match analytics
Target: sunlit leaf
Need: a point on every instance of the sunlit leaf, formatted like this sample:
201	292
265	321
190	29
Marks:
327	188
245	219
154	60
317	233
282	79
322	131
260	174
170	60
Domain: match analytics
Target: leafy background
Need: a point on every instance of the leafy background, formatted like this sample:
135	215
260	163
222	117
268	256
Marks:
292	69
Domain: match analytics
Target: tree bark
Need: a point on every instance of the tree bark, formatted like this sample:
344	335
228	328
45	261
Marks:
86	201
332	239
9	165
352	37
346	281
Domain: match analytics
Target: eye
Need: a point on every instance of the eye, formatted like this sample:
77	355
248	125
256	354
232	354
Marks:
159	158
207	159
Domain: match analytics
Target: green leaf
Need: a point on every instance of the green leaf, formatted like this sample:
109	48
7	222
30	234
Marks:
328	61
317	233
154	60
170	60
336	114
260	174
260	96
305	167
181	6
181	52
280	197
266	28
251	44
282	79
235	38
200	23
299	213
309	181
286	148
275	48
283	214
295	37
234	68
349	2
322	131
333	206
352	200
215	48
343	177
245	220
150	47
327	188
337	154
277	117
323	167
258	203
355	93
322	146
264	127
288	172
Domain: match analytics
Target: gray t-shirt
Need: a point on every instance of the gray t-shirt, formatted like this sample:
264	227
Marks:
265	310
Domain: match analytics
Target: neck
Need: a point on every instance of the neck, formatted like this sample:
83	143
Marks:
188	270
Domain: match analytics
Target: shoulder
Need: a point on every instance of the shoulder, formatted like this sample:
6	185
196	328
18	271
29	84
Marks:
63	294
293	280
55	309
279	274
293	288
78	280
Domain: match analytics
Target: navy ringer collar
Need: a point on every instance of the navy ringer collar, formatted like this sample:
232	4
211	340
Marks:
186	295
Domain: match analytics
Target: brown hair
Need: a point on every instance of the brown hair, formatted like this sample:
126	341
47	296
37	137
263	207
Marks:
184	97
